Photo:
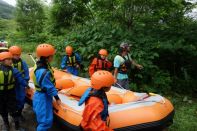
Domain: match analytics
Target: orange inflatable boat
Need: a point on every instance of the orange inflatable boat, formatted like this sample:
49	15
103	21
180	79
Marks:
127	110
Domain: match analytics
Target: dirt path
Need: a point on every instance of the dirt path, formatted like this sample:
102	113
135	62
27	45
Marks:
30	121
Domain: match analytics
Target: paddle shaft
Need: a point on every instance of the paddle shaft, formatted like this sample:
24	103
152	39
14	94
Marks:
32	58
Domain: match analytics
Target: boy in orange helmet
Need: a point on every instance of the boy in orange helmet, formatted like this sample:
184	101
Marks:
22	67
71	62
8	77
100	62
96	113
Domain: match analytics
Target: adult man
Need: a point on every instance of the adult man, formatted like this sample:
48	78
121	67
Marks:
122	63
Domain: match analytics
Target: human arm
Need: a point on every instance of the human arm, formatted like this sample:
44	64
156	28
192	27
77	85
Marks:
137	65
92	66
63	63
48	85
18	76
26	71
78	60
117	64
115	74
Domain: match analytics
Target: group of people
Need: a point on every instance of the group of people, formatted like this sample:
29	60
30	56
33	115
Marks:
15	76
71	63
95	115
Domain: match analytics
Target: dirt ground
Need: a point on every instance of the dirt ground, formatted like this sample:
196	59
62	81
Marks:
30	121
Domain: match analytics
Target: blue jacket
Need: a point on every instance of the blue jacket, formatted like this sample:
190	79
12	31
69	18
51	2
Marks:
26	71
20	89
42	101
70	66
46	83
25	74
19	79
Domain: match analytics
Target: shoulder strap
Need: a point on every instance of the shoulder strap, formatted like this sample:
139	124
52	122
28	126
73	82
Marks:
40	66
42	77
128	57
22	66
85	96
123	57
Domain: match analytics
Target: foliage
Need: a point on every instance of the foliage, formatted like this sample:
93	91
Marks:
164	39
30	16
7	27
185	113
65	13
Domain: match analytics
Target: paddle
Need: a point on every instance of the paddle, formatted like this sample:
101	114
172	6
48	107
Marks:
32	58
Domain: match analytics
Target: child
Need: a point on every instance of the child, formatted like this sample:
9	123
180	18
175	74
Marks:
71	62
8	77
96	104
100	62
44	82
21	66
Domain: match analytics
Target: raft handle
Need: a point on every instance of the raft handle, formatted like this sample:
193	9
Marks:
153	94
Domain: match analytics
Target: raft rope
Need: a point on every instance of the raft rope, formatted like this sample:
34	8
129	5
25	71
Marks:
142	99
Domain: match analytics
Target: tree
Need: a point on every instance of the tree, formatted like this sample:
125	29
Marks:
131	13
30	16
65	13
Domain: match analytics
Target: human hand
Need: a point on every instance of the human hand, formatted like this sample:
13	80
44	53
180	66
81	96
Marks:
139	66
58	102
65	70
77	66
115	80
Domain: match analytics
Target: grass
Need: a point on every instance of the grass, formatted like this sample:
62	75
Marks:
185	118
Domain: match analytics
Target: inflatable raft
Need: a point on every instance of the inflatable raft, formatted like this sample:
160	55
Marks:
127	110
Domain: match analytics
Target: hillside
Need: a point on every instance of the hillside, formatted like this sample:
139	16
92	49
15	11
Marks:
6	10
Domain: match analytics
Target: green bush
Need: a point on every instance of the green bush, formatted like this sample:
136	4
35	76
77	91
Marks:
88	39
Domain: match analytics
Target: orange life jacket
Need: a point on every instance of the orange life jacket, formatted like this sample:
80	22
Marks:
99	64
92	116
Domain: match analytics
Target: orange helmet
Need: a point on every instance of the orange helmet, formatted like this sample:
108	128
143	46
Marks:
45	50
5	55
101	79
103	52
69	50
15	50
